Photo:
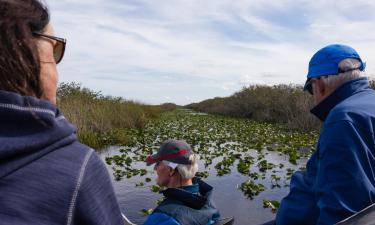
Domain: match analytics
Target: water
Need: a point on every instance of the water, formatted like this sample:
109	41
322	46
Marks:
228	198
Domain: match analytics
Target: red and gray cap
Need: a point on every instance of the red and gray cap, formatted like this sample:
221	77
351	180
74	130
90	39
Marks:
176	151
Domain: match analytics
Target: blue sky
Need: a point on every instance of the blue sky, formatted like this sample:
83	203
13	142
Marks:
184	51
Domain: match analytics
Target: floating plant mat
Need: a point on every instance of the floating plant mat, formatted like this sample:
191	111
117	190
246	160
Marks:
261	156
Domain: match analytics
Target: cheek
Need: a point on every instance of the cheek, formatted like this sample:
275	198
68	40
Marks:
49	79
162	176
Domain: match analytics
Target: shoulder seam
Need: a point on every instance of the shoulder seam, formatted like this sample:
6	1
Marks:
77	187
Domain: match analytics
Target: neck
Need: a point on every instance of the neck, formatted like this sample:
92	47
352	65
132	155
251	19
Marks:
178	181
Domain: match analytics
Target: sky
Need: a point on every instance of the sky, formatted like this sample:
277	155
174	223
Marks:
184	51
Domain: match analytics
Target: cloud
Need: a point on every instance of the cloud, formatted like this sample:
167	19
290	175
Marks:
193	50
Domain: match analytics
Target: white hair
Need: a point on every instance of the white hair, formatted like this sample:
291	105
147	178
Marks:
187	171
332	82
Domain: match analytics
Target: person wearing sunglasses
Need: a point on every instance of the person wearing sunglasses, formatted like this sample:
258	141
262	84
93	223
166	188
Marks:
339	177
46	175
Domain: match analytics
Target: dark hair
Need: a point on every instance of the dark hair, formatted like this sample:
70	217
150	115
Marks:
19	58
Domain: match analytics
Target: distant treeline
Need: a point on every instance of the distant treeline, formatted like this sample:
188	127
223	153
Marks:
103	120
287	104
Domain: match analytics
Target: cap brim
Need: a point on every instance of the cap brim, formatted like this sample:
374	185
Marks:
151	159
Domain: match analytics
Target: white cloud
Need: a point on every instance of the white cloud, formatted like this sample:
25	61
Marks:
208	48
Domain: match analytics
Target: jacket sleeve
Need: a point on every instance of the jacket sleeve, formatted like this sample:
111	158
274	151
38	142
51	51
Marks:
342	184
95	203
160	219
299	206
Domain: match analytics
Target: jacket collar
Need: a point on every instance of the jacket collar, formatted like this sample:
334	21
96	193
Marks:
192	199
348	89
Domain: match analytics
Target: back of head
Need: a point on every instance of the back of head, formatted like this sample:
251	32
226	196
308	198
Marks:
188	171
335	64
349	70
19	59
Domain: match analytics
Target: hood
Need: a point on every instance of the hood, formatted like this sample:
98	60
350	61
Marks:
193	200
29	129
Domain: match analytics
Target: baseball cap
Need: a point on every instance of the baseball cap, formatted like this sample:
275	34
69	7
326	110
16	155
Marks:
175	151
326	61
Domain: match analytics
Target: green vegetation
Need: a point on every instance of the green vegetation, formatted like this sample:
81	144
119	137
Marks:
223	143
287	104
155	188
251	189
146	212
104	120
272	204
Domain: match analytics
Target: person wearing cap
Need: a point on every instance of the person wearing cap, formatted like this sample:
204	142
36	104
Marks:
188	200
339	179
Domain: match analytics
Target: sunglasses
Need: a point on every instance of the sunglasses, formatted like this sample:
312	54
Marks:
58	48
308	86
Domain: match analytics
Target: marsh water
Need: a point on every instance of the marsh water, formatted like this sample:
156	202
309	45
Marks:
215	140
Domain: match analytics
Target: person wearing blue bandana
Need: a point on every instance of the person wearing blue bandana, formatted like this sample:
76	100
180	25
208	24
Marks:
187	200
339	178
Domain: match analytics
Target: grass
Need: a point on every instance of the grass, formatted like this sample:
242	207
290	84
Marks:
287	104
104	120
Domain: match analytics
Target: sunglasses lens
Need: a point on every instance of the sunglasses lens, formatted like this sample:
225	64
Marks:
58	51
309	88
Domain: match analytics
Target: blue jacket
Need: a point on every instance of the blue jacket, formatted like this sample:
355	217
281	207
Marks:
340	176
46	175
190	205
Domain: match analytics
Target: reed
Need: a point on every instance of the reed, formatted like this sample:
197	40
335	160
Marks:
103	120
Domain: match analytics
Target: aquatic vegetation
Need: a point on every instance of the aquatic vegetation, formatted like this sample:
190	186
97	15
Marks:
275	180
251	189
146	212
155	188
140	184
272	204
224	145
223	167
289	173
254	175
264	165
244	165
203	174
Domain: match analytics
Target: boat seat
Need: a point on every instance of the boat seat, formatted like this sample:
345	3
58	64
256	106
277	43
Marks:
363	217
225	221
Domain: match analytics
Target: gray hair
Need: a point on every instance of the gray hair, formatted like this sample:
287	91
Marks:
332	82
187	171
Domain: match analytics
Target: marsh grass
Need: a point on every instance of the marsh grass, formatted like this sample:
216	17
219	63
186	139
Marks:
287	104
104	120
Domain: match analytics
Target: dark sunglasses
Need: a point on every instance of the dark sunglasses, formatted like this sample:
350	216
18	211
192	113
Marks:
58	48
308	86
